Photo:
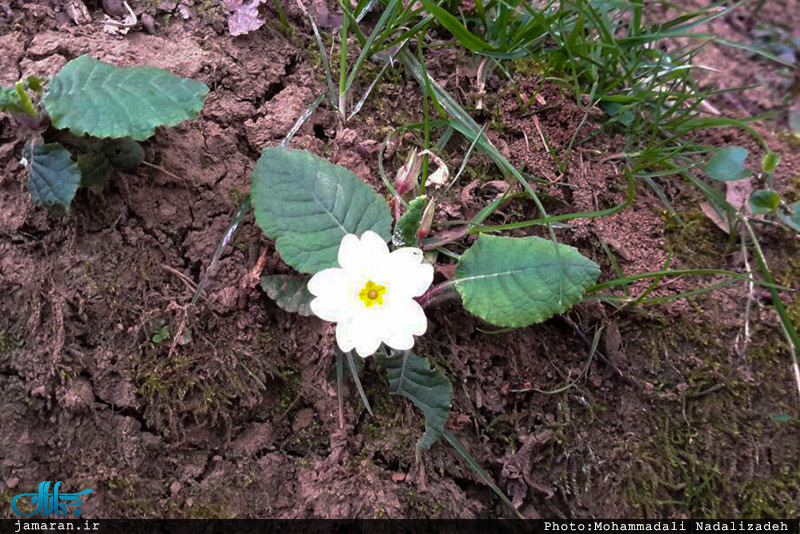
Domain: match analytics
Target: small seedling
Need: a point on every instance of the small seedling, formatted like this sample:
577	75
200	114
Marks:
160	335
89	119
728	164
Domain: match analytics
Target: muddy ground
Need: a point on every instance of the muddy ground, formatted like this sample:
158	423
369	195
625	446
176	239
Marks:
242	420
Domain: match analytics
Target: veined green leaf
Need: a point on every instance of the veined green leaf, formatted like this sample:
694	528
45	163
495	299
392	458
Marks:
510	281
429	389
94	98
308	205
290	293
54	177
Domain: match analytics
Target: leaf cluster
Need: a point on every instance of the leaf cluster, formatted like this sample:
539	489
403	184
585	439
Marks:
99	112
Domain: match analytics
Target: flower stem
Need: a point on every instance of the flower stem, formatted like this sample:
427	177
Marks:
438	294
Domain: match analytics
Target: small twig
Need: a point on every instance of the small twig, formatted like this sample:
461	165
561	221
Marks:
165	171
541	134
602	357
291	406
179	333
708	391
252	278
185	279
592	352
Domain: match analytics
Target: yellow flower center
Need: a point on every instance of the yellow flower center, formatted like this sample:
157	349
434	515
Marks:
372	294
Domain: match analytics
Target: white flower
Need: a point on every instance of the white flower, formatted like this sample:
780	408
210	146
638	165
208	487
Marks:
371	298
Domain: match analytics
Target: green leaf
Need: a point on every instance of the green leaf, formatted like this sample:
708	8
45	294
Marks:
95	169
728	164
35	83
793	219
54	177
429	389
510	281
24	100
290	293
770	162
783	418
6	98
14	99
308	205
94	98
764	201
794	121
124	153
405	230
468	39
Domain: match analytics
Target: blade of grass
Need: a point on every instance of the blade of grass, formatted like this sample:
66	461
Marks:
479	470
792	338
357	380
326	66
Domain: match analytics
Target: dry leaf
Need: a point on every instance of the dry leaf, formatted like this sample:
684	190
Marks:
243	16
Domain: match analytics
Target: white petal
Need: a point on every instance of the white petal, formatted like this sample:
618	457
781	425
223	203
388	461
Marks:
414	319
327	280
406	278
366	329
350	256
330	309
399	340
401	321
344	336
411	255
367	342
373	247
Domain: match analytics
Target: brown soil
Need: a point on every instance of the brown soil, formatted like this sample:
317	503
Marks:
242	421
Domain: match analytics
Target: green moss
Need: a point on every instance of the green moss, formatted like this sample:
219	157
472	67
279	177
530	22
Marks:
205	510
23	505
697	243
133	507
194	384
8	342
531	66
125	482
771	498
236	195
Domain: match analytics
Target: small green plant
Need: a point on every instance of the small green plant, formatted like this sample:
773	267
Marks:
328	224
88	120
728	165
160	335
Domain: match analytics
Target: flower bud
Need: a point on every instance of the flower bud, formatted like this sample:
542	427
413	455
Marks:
407	175
426	221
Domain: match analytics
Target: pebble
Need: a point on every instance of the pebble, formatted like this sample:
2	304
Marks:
114	8
149	23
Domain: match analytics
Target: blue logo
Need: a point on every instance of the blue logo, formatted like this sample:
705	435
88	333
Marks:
47	503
